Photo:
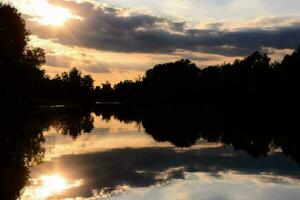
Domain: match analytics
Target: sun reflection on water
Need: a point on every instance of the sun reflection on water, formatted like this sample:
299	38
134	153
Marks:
48	185
53	184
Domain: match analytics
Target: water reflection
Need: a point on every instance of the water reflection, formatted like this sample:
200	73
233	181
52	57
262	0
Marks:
197	186
106	135
48	185
253	129
107	171
22	142
117	149
20	147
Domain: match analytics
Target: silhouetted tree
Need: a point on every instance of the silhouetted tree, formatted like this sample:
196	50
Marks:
165	82
288	75
19	63
73	87
252	80
13	34
105	93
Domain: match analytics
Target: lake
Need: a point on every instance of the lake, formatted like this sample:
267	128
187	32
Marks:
126	153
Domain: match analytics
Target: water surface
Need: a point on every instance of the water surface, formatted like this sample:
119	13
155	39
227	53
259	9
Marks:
120	155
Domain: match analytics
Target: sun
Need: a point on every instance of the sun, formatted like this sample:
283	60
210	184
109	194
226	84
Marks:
55	16
49	14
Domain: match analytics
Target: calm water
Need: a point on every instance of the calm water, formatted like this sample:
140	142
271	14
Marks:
108	155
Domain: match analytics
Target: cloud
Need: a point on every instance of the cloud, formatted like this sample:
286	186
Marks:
108	29
97	69
59	60
67	61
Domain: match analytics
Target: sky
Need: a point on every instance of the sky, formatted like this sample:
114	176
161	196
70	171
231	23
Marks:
115	40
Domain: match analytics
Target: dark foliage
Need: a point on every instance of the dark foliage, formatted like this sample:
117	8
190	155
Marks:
19	63
70	87
253	80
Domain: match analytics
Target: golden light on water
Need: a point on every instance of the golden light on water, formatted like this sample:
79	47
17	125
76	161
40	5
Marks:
48	186
54	183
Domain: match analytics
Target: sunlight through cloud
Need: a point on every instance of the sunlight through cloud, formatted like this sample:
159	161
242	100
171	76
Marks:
49	14
45	13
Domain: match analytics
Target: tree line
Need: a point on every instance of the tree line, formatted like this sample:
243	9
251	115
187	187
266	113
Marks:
254	79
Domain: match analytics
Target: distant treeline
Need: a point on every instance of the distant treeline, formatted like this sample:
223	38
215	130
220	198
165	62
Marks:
253	79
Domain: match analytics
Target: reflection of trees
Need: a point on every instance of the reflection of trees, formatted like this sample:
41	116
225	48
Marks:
21	146
256	130
21	142
167	125
73	123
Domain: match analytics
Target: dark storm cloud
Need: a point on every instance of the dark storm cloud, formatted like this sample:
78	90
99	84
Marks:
178	26
108	29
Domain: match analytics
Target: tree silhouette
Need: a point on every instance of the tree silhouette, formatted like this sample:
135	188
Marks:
13	34
252	80
19	63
